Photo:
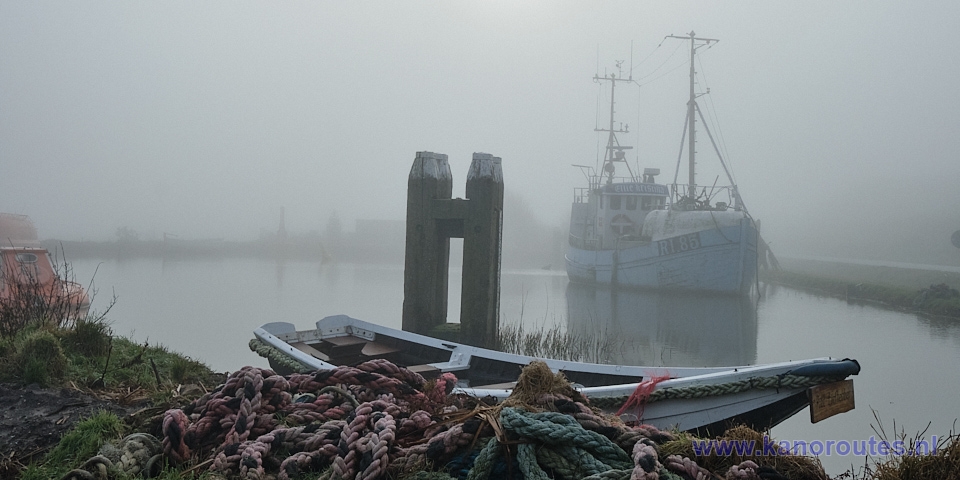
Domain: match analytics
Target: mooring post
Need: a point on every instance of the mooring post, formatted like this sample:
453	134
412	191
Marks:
433	218
480	297
427	258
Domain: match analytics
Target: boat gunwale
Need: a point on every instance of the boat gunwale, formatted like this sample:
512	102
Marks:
277	334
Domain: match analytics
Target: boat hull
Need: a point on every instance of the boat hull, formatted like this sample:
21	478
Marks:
702	399
720	260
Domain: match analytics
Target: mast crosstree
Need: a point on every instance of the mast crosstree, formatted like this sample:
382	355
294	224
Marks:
614	152
693	109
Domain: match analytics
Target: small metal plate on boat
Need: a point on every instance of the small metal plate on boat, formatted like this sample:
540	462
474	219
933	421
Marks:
830	399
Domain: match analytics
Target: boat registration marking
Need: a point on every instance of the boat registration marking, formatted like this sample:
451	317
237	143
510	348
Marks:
683	243
830	399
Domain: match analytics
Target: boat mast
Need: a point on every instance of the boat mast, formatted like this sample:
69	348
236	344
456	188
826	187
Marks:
692	108
615	152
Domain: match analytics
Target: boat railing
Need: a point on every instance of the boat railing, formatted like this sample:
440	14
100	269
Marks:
702	197
598	180
581	195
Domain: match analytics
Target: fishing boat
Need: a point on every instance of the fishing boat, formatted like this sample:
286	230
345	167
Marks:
689	399
628	230
31	284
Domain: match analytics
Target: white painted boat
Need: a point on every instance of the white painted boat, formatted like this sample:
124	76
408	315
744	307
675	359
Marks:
702	399
631	231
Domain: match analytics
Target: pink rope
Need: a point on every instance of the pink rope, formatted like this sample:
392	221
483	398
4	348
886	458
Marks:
239	421
639	396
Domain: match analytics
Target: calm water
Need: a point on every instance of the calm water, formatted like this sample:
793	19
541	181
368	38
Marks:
207	310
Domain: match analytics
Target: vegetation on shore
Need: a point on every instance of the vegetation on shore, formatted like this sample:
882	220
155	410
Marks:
939	300
83	354
46	344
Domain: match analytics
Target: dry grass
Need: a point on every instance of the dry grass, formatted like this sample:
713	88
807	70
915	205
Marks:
916	463
944	464
537	380
795	467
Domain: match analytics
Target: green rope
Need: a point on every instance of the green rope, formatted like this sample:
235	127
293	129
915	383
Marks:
620	474
559	429
424	475
276	356
136	455
570	461
700	391
555	441
483	464
527	457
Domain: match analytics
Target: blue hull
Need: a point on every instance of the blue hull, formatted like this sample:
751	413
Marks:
720	260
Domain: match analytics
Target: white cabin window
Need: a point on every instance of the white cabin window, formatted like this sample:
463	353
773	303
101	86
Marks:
615	202
652	203
631	203
27	257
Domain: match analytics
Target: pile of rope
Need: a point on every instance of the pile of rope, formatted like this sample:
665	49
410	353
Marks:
135	454
377	420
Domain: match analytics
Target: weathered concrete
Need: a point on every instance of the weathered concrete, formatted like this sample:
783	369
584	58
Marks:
433	218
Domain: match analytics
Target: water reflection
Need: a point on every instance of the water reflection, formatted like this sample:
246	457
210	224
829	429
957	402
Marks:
665	329
281	267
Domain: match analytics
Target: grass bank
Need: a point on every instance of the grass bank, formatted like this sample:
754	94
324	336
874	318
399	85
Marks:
55	373
888	290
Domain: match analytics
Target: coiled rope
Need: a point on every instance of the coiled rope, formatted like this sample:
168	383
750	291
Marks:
276	357
377	421
701	391
136	454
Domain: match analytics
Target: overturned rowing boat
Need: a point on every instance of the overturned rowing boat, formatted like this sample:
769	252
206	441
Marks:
702	399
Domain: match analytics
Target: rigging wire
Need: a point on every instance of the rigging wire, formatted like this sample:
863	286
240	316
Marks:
714	118
663	63
637	127
668	72
683	136
713	113
596	125
645	58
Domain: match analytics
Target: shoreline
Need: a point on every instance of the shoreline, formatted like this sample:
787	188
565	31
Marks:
885	273
912	290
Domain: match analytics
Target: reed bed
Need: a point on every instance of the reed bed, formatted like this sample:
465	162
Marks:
557	343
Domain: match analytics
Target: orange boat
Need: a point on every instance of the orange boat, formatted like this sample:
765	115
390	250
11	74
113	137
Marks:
29	281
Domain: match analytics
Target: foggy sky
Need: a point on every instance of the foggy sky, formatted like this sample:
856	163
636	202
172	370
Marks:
203	119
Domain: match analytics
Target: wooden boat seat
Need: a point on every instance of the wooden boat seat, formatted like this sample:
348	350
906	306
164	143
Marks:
347	346
433	370
448	366
313	352
378	350
426	370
